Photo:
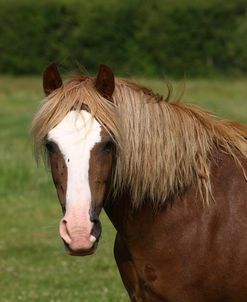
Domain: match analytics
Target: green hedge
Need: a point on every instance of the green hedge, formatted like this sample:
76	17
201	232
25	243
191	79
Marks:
159	37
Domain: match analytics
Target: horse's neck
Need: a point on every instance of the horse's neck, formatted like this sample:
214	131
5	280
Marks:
225	175
118	209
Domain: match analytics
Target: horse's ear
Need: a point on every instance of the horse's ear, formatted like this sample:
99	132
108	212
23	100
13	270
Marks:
51	79
105	83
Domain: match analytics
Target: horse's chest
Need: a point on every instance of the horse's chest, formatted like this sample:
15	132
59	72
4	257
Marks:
188	253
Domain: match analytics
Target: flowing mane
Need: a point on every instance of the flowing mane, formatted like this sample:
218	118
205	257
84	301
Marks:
162	148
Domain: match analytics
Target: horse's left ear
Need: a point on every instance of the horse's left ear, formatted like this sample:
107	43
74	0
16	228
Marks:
105	83
51	79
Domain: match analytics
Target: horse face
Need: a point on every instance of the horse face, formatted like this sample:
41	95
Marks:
81	157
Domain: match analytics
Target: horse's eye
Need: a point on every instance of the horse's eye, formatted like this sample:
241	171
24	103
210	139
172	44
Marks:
50	147
107	147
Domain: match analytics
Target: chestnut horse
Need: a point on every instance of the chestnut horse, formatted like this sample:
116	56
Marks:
171	177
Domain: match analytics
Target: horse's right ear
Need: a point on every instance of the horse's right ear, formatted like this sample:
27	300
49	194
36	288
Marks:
51	79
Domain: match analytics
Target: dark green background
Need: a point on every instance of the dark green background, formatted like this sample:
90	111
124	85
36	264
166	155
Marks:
147	38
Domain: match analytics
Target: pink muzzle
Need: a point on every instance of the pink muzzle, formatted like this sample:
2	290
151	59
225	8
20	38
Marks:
75	229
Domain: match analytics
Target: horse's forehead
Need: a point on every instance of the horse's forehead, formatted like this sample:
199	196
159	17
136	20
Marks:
77	128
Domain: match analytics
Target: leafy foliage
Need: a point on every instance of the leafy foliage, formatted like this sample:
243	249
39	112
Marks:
199	38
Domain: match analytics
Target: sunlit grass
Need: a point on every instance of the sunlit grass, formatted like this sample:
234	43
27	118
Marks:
33	266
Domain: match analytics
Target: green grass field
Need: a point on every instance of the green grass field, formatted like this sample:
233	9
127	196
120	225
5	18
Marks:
33	265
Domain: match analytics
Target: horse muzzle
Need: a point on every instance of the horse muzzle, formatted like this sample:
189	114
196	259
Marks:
80	237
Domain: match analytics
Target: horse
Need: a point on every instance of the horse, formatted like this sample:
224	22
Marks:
170	176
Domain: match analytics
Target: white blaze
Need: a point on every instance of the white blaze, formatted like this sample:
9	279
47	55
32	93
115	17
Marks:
76	136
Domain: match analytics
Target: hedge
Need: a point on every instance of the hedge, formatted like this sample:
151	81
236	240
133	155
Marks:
144	38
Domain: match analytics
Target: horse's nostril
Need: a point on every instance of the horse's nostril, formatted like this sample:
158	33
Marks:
64	233
96	230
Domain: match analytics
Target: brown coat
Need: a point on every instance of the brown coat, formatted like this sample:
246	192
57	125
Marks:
185	252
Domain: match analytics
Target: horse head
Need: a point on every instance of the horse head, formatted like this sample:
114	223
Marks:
81	156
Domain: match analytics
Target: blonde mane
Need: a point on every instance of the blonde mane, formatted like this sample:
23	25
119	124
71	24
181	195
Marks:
162	148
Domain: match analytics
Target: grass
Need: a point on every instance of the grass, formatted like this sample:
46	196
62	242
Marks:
33	266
